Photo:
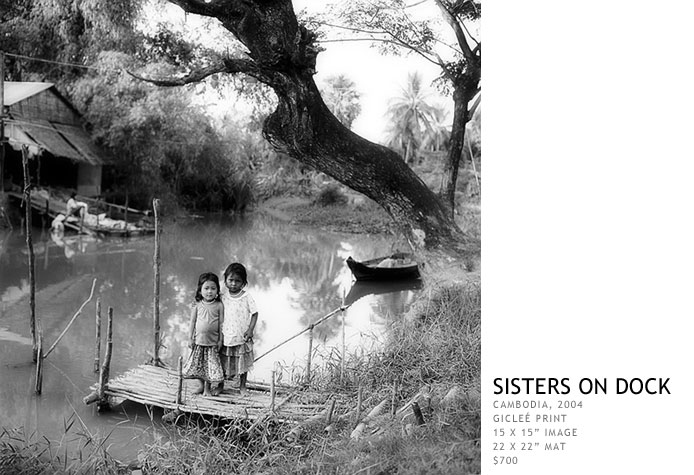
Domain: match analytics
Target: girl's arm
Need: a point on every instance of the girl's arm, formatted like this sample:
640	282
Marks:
193	321
220	341
248	334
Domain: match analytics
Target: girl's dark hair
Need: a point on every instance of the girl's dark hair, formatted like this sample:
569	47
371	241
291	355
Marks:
207	277
238	269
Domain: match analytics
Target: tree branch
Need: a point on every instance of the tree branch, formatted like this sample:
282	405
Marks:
459	33
228	65
200	7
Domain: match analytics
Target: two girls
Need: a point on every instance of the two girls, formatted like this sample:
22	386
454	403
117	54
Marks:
221	334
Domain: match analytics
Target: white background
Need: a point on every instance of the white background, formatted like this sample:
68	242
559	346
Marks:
588	210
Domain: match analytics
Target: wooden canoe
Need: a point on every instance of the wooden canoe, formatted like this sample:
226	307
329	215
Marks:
394	267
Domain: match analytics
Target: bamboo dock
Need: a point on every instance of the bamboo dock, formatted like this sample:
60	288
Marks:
156	386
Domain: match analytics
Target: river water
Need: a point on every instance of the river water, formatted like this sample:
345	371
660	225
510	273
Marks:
297	275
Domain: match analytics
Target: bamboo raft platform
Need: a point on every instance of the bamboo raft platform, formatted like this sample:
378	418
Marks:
156	386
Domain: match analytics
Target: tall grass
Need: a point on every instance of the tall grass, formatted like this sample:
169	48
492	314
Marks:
77	452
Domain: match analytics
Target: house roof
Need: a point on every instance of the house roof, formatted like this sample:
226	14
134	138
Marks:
62	140
18	91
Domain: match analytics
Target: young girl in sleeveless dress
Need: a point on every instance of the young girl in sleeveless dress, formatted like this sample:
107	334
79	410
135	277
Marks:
206	320
241	315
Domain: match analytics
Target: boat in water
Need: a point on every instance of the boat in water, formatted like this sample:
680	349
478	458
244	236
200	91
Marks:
396	266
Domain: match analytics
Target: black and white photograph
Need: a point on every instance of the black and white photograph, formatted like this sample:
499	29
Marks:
241	237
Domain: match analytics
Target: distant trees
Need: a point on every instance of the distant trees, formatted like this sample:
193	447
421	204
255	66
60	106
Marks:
395	26
342	98
411	117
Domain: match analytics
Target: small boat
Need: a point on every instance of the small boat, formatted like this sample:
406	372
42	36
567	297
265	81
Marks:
394	267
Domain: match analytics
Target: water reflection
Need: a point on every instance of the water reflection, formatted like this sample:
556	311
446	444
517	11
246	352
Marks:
296	276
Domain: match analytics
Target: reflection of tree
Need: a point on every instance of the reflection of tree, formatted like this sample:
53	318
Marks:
310	262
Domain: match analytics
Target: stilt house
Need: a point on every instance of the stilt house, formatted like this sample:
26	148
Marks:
63	153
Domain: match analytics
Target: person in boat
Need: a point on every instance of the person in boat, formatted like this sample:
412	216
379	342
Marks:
206	319
74	207
241	316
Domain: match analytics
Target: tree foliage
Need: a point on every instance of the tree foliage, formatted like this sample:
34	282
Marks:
159	143
342	98
411	116
395	27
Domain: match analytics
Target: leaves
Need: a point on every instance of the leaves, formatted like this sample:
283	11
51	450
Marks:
342	98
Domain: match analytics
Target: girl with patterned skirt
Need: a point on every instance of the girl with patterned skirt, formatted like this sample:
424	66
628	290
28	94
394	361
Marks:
207	318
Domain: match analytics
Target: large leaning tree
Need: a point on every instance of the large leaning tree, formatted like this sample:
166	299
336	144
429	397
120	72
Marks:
390	24
281	53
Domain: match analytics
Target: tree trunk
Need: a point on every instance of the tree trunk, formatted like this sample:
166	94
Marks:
283	56
303	127
452	166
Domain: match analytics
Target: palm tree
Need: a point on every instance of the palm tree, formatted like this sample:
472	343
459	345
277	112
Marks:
342	98
410	115
437	136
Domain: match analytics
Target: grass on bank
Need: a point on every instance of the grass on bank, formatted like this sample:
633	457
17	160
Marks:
434	353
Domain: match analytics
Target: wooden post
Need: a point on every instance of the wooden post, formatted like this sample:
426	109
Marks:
46	213
272	391
417	413
157	266
310	351
97	346
179	391
329	417
72	320
125	217
392	401
102	403
30	248
39	363
2	126
344	355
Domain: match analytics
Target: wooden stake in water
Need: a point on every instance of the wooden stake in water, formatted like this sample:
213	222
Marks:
30	248
72	320
106	366
157	267
39	363
97	350
125	217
